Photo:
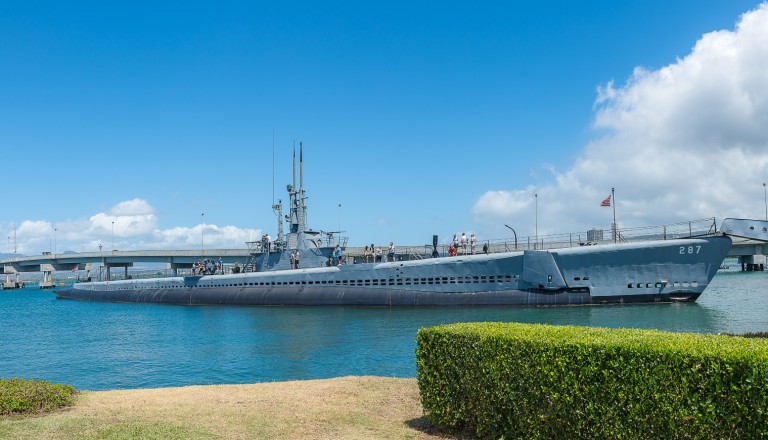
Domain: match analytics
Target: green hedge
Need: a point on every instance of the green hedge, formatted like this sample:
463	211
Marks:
23	396
537	381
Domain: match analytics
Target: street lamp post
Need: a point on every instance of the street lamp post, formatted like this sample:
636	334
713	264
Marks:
101	268
54	241
513	231
339	224
202	235
113	236
765	197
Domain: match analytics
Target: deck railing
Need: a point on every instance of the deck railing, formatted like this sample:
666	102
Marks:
692	228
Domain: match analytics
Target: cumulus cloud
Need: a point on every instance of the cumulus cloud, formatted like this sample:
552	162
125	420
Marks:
34	228
505	204
33	234
135	227
129	225
132	208
212	236
126	219
686	141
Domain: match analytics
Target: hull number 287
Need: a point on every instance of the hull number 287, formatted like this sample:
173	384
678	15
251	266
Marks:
690	249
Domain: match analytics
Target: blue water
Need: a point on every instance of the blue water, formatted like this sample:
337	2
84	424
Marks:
100	346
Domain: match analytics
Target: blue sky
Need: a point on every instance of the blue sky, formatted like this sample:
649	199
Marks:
419	119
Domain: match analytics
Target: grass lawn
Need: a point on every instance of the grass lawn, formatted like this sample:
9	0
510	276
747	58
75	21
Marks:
341	408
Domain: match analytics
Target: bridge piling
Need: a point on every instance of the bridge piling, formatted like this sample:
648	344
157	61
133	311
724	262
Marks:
749	264
47	281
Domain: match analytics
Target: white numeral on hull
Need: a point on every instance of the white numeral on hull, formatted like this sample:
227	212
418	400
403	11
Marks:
690	250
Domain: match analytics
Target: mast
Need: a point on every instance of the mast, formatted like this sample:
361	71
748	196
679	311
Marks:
301	167
294	164
302	209
273	167
277	207
297	215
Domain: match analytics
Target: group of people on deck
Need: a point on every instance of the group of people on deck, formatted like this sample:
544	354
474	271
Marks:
375	254
462	243
337	256
207	267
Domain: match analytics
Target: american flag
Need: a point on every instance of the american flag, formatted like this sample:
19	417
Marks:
606	202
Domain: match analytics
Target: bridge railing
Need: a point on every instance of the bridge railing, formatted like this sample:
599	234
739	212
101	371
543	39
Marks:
691	228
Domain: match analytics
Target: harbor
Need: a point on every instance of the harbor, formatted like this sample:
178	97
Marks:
501	198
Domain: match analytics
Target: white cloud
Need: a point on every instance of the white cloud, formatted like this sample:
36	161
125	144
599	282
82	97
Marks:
35	228
504	203
34	234
126	219
224	237
135	207
129	225
682	142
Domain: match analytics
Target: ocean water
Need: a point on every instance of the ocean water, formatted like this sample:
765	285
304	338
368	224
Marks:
98	346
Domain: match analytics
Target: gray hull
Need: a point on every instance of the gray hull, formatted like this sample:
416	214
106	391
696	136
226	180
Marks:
655	271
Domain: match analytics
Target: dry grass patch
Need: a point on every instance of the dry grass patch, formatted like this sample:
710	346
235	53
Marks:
347	407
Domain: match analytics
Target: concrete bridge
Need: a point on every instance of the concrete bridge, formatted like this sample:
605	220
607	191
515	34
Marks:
751	253
47	263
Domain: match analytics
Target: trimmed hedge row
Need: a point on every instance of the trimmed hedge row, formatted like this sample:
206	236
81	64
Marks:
539	381
24	396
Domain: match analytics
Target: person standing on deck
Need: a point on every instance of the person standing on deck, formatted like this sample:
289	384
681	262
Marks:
391	252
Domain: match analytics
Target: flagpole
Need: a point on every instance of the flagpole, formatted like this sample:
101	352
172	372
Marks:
615	226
